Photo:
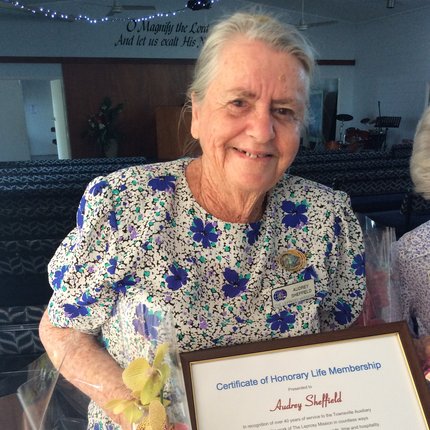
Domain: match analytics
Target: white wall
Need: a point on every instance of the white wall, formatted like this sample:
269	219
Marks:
34	94
392	55
39	117
394	69
13	131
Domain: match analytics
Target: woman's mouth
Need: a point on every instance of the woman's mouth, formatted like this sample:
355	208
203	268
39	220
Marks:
252	154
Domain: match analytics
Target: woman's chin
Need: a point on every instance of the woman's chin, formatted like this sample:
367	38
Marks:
253	183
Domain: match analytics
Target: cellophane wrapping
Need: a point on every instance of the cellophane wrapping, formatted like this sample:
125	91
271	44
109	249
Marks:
381	304
37	397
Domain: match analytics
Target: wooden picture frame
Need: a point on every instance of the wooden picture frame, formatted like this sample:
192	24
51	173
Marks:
258	385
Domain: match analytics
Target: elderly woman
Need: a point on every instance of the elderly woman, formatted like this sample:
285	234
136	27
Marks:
227	243
411	253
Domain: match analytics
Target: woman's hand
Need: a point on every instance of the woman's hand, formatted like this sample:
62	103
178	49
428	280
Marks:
85	364
422	347
425	343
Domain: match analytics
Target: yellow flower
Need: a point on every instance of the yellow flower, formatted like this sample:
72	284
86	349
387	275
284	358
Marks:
146	382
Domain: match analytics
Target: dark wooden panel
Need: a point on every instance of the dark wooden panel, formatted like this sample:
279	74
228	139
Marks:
141	87
173	131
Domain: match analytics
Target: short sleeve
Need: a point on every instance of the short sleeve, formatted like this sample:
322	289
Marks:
83	272
344	299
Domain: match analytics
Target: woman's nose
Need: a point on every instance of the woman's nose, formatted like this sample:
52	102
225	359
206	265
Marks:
261	126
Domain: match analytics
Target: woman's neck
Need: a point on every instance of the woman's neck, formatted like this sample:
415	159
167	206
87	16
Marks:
223	203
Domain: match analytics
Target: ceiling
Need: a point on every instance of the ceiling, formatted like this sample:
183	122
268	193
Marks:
349	10
353	11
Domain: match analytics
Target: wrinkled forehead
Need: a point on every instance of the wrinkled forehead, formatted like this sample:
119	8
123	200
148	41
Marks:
256	66
244	58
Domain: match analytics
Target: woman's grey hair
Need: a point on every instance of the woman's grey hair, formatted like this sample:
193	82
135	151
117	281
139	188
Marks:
420	159
264	28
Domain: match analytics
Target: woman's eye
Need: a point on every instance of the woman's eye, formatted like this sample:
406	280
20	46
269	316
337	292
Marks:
238	103
284	111
286	114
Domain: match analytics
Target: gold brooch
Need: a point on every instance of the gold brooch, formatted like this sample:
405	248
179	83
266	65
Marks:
292	260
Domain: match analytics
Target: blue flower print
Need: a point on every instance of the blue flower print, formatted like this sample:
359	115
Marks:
58	277
121	285
203	324
240	320
177	279
73	311
356	293
206	234
113	221
86	300
283	321
146	322
358	264
309	273
133	232
295	214
163	183
253	234
97	188
112	266
328	249
343	313
99	426
80	309
80	212
320	296
337	228
235	284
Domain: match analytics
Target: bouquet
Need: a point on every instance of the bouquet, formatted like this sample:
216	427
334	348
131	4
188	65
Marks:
101	127
153	373
382	300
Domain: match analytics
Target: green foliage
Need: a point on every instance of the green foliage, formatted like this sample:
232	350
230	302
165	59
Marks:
102	126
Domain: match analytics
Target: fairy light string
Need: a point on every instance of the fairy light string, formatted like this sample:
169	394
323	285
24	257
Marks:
193	5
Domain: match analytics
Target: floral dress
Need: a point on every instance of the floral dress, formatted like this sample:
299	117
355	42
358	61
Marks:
411	276
144	248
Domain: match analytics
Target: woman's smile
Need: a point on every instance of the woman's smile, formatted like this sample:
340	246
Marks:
253	155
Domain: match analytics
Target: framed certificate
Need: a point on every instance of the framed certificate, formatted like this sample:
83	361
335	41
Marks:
367	377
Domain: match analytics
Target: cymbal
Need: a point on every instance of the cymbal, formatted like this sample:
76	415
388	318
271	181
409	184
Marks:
344	117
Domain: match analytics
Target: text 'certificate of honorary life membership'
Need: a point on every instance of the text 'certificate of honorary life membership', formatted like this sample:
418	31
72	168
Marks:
360	383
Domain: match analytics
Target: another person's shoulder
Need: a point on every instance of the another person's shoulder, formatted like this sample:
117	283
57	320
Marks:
416	240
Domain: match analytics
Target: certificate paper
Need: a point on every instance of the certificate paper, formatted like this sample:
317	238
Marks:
363	382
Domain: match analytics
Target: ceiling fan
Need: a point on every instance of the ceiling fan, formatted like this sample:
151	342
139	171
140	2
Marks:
303	25
119	8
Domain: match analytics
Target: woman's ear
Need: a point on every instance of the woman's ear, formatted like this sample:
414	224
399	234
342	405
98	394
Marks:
195	115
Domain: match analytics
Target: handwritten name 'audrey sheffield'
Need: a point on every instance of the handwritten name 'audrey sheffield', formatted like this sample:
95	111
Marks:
310	400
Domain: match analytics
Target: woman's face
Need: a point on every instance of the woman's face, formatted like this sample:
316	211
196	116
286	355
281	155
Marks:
249	122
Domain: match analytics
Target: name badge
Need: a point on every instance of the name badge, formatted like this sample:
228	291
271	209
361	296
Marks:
293	293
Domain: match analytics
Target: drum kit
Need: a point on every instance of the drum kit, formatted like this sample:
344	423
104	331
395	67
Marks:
354	139
343	138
